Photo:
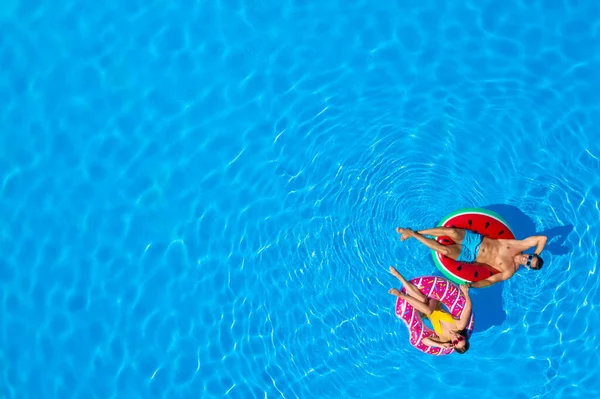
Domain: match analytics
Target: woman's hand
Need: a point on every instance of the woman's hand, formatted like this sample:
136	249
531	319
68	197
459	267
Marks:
465	288
447	345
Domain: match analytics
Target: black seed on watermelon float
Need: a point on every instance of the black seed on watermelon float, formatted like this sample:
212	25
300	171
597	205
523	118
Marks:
476	273
470	222
459	268
501	232
487	224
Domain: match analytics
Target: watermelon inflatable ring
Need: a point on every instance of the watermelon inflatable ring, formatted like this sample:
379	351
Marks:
481	221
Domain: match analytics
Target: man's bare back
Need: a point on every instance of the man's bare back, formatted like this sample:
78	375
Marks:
506	256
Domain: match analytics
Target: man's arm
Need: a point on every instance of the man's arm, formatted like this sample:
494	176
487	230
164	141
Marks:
539	242
496	278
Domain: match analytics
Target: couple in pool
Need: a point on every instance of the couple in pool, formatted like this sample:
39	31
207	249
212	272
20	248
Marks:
506	256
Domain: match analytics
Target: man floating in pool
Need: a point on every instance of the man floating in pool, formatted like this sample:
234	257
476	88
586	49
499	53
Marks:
506	256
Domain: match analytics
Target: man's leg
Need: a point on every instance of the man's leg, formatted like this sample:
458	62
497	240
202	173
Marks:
451	251
457	235
411	289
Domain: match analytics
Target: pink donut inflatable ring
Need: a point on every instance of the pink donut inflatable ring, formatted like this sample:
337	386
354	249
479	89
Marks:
444	291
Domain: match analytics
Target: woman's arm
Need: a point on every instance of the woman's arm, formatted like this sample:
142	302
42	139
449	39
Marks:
431	341
466	313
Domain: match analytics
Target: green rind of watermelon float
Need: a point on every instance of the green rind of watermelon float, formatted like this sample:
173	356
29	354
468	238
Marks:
482	221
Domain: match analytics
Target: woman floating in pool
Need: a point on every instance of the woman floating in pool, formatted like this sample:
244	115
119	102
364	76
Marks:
450	332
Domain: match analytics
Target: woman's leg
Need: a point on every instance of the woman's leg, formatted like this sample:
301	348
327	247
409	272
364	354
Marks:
418	305
433	303
411	289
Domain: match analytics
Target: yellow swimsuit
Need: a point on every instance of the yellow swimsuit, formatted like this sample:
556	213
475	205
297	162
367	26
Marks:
437	316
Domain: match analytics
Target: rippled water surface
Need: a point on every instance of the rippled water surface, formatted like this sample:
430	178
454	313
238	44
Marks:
199	198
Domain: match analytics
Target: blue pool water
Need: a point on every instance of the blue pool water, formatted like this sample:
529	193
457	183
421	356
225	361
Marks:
199	198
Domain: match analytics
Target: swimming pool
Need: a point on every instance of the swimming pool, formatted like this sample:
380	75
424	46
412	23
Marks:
199	198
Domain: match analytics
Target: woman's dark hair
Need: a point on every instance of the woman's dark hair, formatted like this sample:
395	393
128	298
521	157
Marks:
467	345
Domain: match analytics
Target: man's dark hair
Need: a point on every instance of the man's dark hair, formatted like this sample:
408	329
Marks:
467	345
540	262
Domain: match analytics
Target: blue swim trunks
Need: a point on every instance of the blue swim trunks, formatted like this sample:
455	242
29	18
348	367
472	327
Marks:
470	247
